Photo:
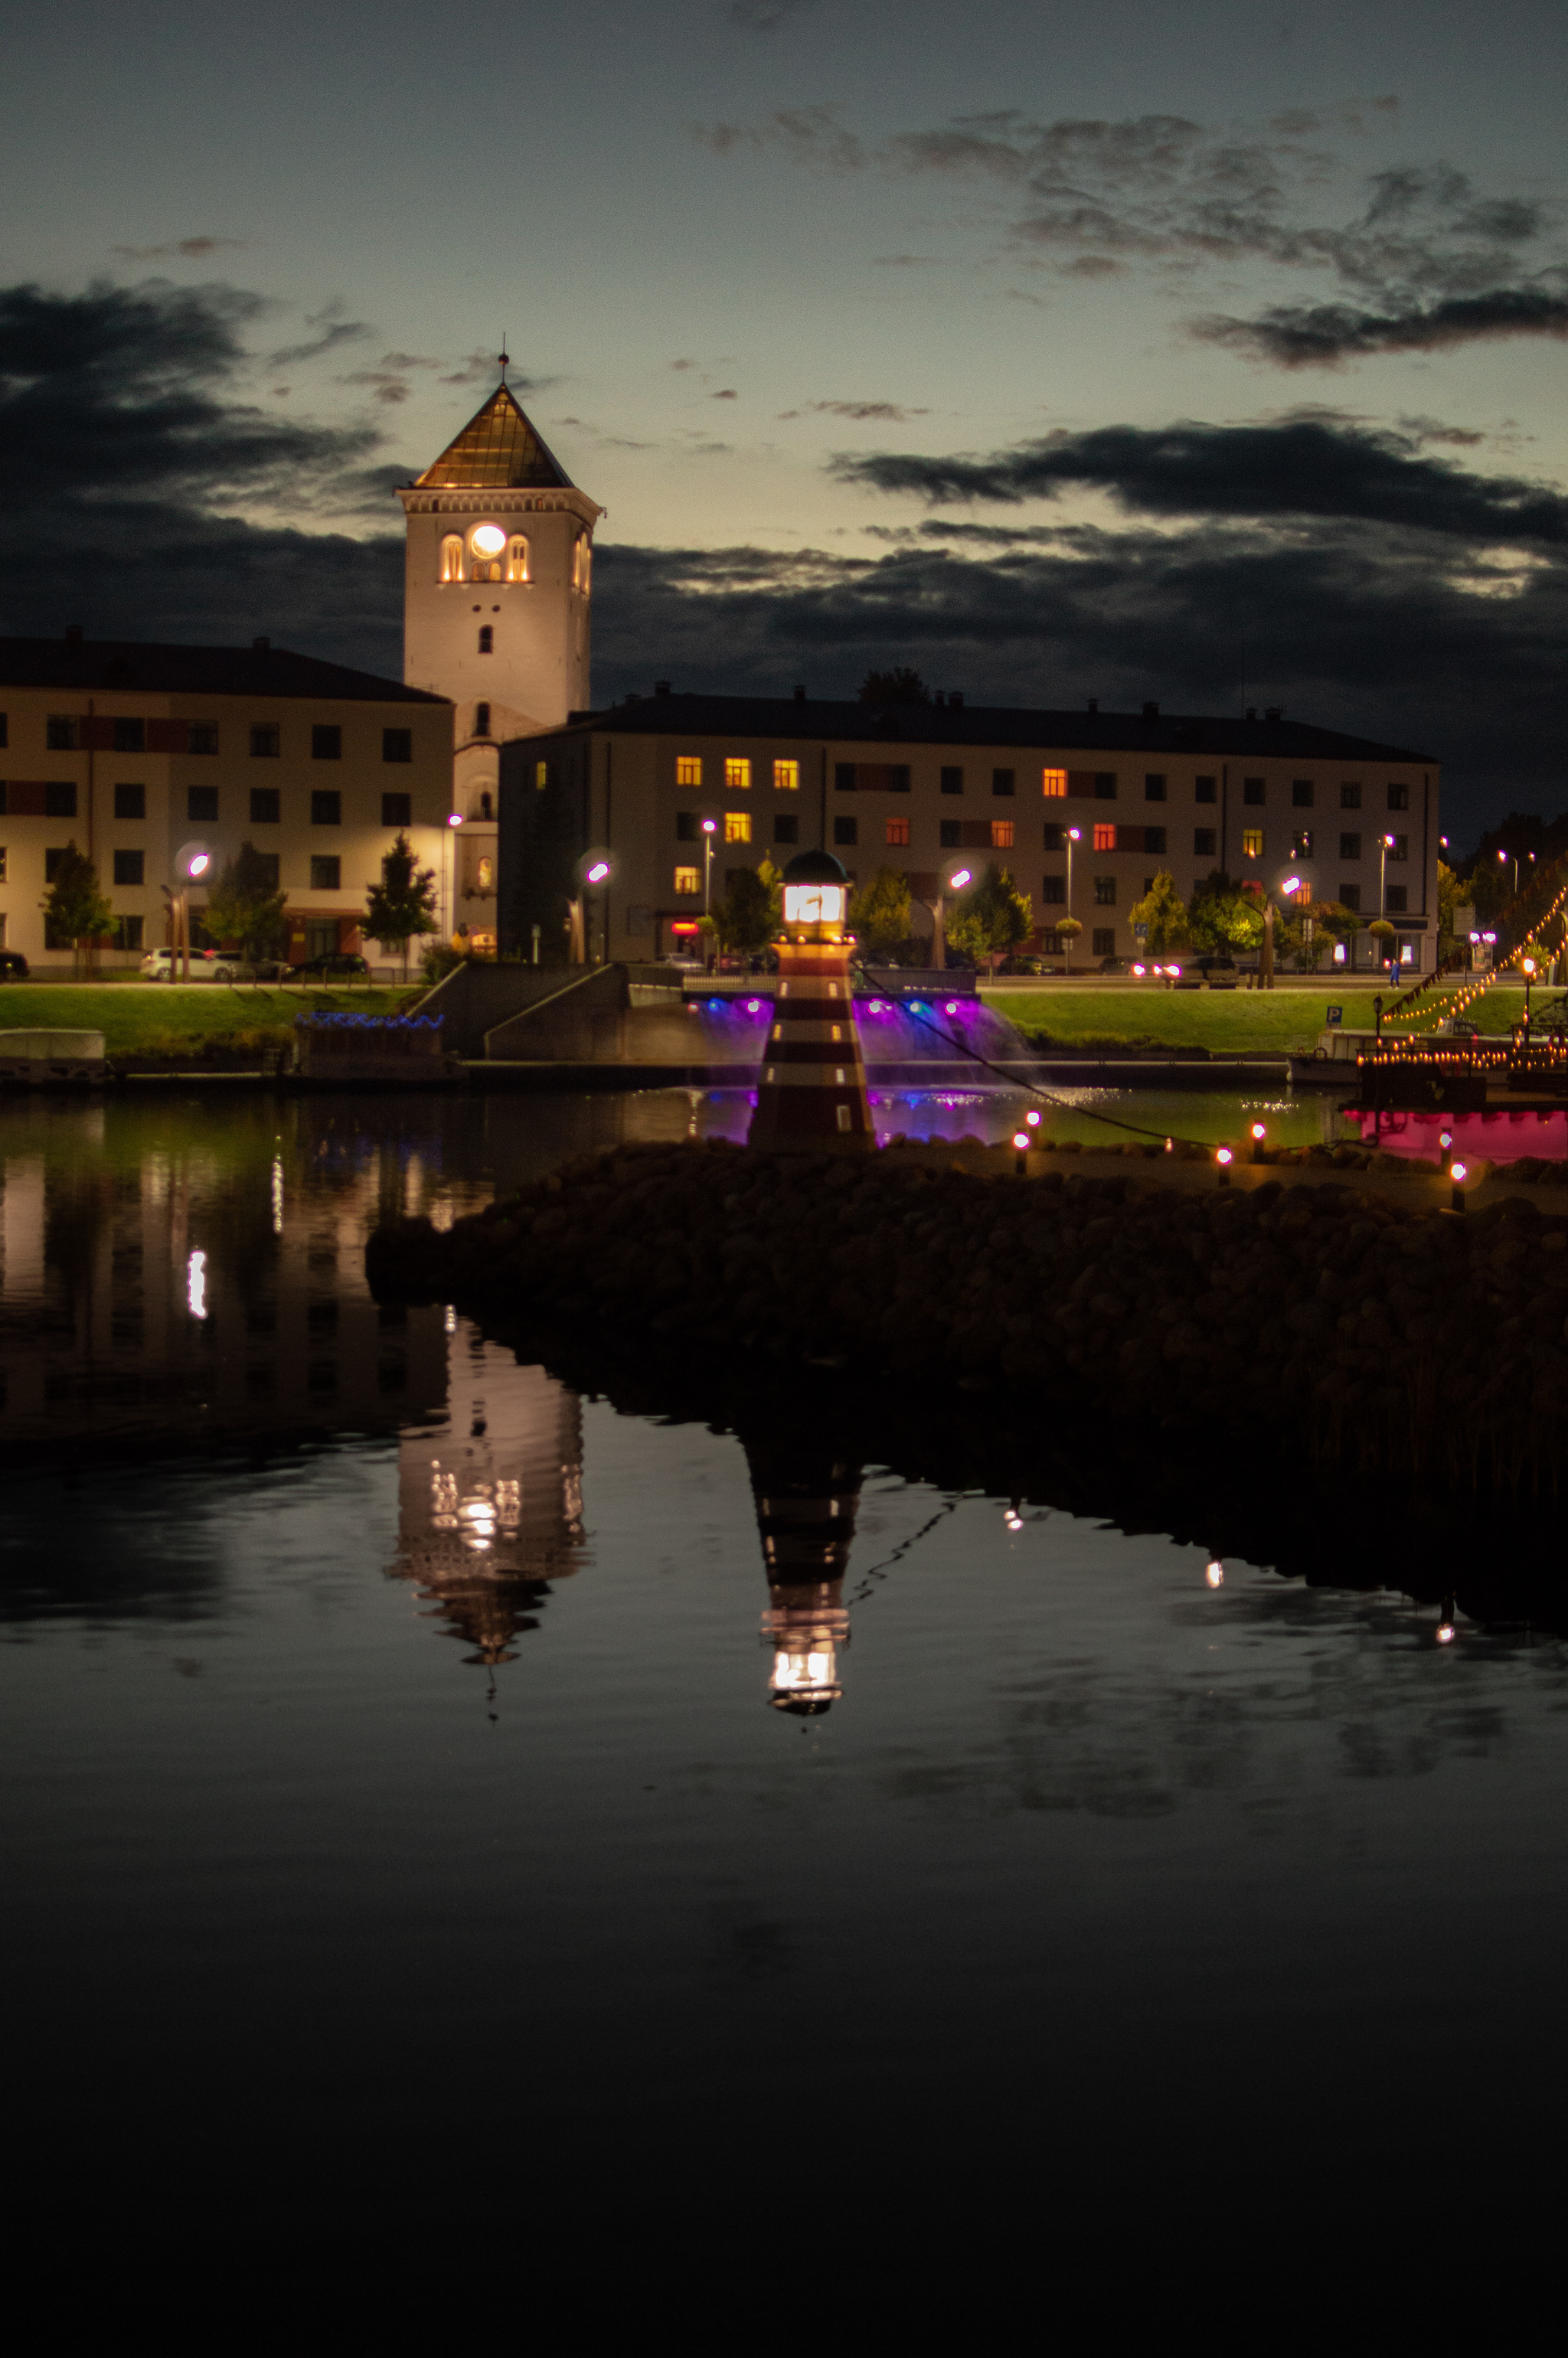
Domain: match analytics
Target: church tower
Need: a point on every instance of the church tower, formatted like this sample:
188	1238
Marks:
495	614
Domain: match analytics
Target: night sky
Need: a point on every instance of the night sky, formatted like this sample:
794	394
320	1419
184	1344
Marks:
1208	352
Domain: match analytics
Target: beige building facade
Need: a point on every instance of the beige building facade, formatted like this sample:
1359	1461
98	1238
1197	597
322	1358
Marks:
134	752
1083	809
497	603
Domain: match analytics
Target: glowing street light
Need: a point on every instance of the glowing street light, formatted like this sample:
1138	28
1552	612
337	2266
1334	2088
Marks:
1225	1158
954	880
1456	1197
1075	834
1022	1142
1260	1132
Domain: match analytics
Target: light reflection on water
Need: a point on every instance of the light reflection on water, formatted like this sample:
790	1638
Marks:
426	1682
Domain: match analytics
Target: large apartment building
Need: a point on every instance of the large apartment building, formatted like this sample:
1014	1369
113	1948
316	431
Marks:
1083	808
134	752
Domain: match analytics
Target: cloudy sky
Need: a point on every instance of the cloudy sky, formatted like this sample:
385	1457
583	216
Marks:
1212	353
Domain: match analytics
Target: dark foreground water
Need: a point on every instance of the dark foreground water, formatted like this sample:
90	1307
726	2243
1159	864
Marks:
401	1829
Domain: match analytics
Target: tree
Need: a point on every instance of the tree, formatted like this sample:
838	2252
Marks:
1165	913
404	902
900	686
74	909
245	906
1219	916
751	910
1332	923
881	912
1069	929
993	917
1448	899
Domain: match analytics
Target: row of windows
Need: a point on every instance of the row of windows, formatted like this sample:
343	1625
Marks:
738	774
1000	835
1101	786
1397	847
22	799
69	732
492	553
130	868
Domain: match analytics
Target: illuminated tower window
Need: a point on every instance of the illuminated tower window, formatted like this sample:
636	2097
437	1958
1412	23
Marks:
451	558
517	558
486	541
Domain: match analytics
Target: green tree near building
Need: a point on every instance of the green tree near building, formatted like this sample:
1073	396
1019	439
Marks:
75	909
404	903
881	913
1165	913
1221	918
992	918
244	907
751	910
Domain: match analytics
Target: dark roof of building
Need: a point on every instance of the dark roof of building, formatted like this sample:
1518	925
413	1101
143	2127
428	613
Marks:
1152	732
498	449
81	665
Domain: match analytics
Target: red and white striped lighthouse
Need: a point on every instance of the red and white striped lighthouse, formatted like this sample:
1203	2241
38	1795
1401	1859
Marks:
811	1089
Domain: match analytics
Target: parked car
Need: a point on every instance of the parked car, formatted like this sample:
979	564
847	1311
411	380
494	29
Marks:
230	967
158	965
1022	966
341	965
1113	966
13	966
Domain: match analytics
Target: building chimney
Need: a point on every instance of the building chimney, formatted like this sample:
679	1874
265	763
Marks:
1094	704
261	646
800	695
74	634
956	698
660	688
1252	713
1150	712
1273	712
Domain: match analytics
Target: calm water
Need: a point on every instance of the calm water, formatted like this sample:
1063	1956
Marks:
398	1803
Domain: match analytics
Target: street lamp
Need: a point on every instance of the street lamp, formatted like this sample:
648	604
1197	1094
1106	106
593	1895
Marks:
596	870
449	867
1075	834
953	880
192	861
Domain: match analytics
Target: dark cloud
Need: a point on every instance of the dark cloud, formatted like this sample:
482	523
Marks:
1343	630
1298	468
122	453
188	249
331	335
1326	335
881	412
1425	258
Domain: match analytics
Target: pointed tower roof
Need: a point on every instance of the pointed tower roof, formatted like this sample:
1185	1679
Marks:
497	450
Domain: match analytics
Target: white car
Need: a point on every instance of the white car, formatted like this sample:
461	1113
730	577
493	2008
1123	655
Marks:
206	966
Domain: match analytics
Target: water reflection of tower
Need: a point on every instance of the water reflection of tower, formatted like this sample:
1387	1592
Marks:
491	1503
805	1500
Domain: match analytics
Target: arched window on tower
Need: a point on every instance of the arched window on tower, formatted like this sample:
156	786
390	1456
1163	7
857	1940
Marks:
486	807
517	558
487	640
451	558
581	558
482	720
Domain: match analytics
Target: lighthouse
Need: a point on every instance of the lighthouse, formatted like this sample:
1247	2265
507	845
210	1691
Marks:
811	1088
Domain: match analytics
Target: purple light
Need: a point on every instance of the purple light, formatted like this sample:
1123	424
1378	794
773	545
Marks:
752	1005
952	1007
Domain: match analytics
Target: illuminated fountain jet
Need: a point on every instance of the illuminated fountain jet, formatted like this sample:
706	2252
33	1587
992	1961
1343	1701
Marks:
806	1502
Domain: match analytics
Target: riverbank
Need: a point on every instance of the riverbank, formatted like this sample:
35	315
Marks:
1359	1326
165	1027
1284	1023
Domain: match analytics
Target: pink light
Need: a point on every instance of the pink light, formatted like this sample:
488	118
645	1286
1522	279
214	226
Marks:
456	819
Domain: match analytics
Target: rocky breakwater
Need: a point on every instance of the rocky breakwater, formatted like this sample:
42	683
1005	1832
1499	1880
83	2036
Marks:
1319	1318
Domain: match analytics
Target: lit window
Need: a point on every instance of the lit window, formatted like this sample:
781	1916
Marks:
451	558
517	558
581	561
1252	843
1053	784
737	775
897	830
737	826
486	541
1105	838
1300	843
688	768
787	777
1001	835
687	881
541	774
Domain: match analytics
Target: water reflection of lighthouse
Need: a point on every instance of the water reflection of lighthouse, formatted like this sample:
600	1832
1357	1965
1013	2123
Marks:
806	1501
491	1501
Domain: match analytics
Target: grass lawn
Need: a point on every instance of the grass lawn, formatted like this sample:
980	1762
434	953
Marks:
173	1017
1265	1023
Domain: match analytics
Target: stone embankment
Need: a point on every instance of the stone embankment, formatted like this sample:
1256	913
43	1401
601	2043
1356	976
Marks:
1385	1338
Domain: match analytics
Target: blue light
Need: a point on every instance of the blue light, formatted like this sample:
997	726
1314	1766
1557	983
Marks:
716	1004
917	1006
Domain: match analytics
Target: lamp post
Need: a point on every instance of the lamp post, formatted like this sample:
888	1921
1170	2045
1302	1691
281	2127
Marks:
1286	886
595	870
454	818
1075	834
1527	968
191	864
709	829
954	881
